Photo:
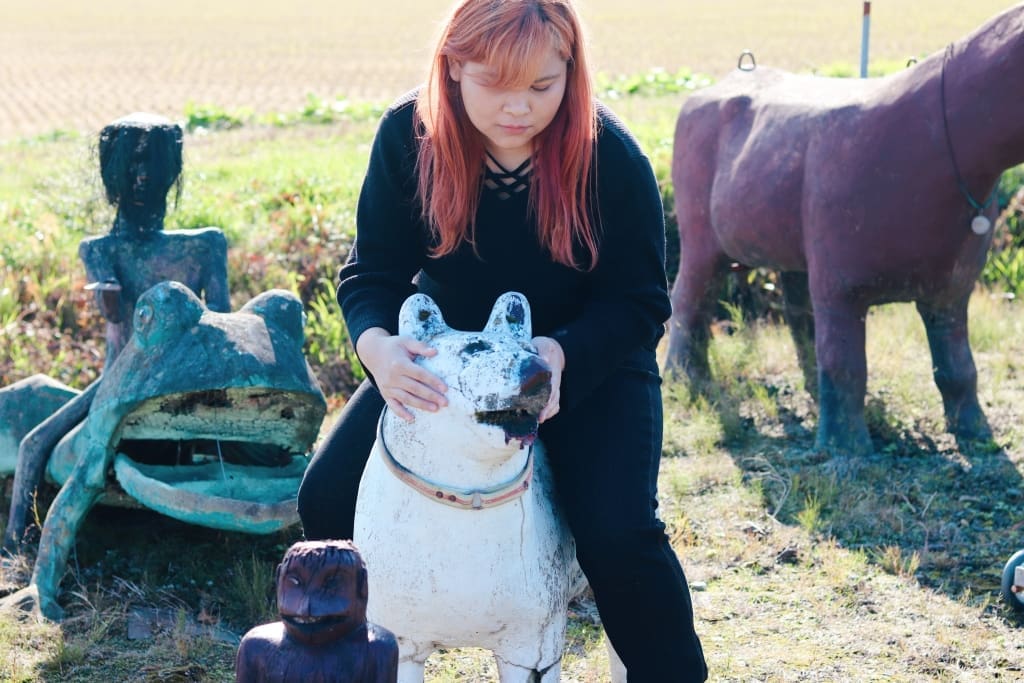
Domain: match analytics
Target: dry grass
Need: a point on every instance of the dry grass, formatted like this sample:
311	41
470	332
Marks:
71	65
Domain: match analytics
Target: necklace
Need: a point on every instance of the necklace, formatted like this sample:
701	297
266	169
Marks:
980	224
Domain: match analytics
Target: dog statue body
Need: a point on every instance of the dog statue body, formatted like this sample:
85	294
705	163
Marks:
455	516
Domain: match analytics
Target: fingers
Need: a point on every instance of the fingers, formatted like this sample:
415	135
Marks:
552	407
550	351
404	384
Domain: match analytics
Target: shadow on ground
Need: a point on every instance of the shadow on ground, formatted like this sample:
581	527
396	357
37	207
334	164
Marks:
918	505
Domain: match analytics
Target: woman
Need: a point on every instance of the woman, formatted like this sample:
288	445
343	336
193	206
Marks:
500	174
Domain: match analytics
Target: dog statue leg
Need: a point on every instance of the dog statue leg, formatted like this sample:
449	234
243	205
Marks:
410	671
615	665
511	673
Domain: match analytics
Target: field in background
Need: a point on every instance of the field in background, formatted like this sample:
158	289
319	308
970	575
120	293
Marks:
73	65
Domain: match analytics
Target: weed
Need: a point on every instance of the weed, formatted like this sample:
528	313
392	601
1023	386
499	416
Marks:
892	559
810	515
250	592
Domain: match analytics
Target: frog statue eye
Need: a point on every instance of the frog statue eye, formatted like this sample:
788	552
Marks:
165	310
143	316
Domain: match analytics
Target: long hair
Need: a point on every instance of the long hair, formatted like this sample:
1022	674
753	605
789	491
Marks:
510	36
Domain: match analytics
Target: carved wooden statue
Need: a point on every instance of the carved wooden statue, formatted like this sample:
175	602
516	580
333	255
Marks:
323	635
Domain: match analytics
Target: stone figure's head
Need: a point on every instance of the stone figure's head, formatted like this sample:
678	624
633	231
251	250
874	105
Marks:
140	161
321	591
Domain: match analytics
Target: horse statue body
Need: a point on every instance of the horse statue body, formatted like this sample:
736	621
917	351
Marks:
861	192
455	517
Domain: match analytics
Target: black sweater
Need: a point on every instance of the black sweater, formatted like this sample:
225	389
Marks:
599	316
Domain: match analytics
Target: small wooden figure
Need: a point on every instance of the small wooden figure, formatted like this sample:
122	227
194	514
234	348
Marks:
323	635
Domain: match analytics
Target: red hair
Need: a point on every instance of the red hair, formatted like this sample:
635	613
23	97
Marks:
510	36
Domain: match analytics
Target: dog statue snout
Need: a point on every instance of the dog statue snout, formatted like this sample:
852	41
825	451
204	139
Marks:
536	380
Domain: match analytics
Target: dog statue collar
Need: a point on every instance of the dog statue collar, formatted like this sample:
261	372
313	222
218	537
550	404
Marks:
466	499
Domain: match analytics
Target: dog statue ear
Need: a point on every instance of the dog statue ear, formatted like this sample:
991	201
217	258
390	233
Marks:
420	318
511	315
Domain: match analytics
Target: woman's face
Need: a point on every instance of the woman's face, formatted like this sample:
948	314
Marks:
509	118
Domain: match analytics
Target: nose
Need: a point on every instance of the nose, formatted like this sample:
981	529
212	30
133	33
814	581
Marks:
516	104
535	378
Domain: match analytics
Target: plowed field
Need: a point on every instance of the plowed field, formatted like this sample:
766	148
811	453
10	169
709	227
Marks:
67	64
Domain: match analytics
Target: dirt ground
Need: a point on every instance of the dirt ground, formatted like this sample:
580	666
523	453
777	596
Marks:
71	65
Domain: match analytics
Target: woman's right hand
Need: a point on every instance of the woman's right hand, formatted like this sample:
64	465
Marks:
401	382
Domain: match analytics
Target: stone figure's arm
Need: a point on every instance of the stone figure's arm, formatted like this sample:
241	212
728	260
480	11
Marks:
215	290
102	278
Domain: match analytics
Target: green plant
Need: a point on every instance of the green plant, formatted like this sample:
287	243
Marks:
250	592
206	117
656	82
892	559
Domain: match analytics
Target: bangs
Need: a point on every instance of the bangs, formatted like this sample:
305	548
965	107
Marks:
516	59
514	44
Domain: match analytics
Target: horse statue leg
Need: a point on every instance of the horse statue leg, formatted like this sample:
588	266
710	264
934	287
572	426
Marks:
700	278
842	376
954	370
799	316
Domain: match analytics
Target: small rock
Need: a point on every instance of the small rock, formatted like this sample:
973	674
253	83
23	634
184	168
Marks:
698	586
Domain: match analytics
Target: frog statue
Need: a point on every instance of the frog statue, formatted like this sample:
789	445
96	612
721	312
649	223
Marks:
203	416
200	414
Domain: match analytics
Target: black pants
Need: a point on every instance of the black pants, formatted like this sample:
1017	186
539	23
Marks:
604	455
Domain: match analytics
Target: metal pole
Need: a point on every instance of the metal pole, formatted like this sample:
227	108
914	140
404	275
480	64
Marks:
864	39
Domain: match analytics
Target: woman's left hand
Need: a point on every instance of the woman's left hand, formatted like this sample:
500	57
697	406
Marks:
551	353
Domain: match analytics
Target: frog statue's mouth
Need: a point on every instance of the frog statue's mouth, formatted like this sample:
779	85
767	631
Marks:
239	466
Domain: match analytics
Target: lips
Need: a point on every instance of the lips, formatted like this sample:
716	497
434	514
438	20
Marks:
312	627
514	130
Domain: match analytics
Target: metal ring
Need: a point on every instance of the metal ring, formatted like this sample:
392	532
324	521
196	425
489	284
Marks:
748	67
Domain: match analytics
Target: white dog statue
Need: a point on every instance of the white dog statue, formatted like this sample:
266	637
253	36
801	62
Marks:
455	517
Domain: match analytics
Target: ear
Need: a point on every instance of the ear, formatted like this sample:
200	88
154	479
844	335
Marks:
511	316
420	318
455	70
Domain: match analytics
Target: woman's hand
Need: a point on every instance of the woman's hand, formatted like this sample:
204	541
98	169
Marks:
401	382
551	353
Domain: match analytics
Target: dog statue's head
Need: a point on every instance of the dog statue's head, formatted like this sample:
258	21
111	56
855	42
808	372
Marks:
495	377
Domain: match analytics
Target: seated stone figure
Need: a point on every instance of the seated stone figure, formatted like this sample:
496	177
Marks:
140	162
140	158
323	635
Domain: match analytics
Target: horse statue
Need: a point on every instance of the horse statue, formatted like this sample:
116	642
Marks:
861	192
